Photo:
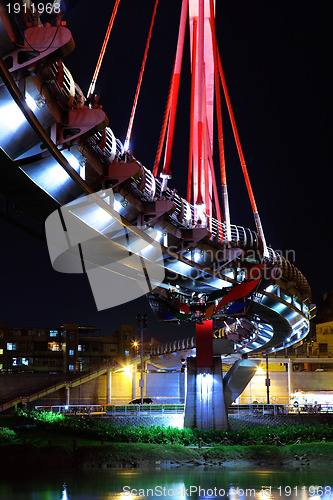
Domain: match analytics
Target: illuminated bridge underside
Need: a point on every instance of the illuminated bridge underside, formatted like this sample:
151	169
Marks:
65	147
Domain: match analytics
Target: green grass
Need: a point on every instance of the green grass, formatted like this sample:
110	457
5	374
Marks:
316	453
140	453
64	429
38	439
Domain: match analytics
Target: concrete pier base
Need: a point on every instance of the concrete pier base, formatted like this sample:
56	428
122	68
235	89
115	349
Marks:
205	407
209	395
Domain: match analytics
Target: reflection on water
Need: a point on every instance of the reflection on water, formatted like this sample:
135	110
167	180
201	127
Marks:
177	484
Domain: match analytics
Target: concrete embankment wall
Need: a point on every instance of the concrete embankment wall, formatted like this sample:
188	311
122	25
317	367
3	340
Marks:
312	381
147	420
279	394
256	390
249	421
161	387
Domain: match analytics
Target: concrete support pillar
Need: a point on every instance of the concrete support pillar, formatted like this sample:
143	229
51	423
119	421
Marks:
205	407
67	394
108	387
209	395
290	377
134	367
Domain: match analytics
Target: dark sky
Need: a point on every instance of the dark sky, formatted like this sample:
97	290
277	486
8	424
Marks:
277	59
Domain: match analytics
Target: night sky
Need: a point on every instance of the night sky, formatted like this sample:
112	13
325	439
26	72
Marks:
277	59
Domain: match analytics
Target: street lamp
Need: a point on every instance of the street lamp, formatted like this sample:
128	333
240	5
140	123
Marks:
141	323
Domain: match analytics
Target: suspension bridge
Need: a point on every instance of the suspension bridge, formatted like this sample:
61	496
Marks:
244	297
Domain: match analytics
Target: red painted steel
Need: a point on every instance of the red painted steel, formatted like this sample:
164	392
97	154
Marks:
103	49
190	159
137	92
175	88
238	292
237	140
204	344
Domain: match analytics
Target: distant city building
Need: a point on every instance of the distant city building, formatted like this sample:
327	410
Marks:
324	312
63	349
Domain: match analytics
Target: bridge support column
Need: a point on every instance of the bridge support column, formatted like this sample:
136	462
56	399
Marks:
108	387
205	407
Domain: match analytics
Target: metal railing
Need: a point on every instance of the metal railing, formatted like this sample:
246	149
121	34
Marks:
280	409
178	409
146	409
115	410
76	410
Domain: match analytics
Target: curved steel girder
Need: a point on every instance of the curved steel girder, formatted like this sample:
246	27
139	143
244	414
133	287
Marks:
281	326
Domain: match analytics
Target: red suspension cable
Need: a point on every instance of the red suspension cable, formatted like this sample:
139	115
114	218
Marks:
217	96
136	97
200	91
216	207
238	144
175	88
190	156
163	131
259	227
101	55
225	199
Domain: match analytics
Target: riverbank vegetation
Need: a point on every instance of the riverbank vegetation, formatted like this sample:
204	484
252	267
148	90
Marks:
102	430
34	440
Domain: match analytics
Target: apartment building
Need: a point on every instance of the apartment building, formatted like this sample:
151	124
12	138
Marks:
68	348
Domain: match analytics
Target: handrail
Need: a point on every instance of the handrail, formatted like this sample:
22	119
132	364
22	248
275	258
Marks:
116	410
280	409
73	382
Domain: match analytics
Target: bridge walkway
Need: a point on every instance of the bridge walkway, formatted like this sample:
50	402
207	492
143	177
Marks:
37	391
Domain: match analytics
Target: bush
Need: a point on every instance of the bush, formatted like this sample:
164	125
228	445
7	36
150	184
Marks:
102	430
6	435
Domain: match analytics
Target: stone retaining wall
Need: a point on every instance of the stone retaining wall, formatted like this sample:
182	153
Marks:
235	421
247	421
147	420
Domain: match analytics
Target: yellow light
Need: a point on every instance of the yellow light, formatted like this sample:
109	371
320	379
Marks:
127	370
135	344
260	371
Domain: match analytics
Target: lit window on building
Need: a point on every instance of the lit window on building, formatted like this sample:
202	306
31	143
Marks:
14	362
53	333
25	361
1	351
126	353
54	346
79	347
71	368
71	352
11	347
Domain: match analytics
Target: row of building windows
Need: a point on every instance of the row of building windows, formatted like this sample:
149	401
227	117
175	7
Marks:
56	346
68	348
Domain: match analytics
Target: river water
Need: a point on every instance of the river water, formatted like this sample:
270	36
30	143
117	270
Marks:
177	484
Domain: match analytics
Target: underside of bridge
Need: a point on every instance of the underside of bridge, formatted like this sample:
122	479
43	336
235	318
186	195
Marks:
126	229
